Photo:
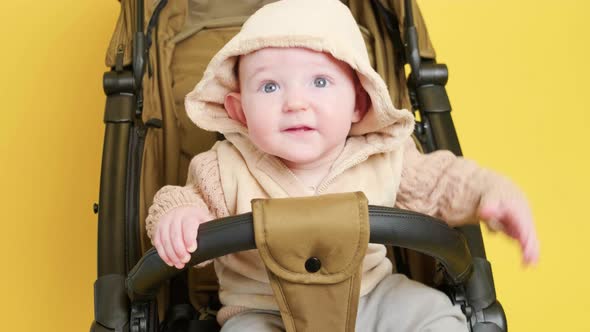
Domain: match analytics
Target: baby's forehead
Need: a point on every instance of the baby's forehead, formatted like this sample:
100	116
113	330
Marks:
287	56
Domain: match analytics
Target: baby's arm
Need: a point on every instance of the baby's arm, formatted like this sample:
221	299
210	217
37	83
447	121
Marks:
459	192
177	212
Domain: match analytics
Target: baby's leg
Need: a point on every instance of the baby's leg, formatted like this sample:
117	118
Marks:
401	304
255	321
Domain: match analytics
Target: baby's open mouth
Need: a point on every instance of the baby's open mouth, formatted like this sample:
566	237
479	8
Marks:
298	129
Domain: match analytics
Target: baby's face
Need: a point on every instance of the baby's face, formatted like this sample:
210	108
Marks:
298	104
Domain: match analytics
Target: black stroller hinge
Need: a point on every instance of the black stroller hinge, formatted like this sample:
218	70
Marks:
427	79
119	108
457	295
427	83
433	98
476	319
426	88
144	317
484	312
423	133
110	303
124	79
116	81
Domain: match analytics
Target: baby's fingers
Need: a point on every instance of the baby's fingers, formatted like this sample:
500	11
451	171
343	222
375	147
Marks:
189	230
158	244
489	211
494	225
531	249
518	224
167	244
176	236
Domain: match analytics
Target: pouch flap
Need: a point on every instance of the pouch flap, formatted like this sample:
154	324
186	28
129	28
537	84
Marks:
312	240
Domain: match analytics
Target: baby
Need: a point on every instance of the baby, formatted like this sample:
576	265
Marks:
304	114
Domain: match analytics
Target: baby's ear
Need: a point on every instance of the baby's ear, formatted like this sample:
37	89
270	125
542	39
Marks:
362	103
233	106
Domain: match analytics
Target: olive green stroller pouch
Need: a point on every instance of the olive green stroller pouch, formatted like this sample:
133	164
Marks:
315	275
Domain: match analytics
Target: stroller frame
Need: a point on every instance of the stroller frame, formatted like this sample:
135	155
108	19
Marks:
126	283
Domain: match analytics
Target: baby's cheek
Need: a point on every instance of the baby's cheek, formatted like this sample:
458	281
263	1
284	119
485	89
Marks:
339	129
261	138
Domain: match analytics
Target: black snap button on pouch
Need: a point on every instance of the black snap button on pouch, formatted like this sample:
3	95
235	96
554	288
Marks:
313	265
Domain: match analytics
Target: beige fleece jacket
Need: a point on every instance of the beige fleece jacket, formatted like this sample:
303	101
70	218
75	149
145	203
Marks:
219	180
379	157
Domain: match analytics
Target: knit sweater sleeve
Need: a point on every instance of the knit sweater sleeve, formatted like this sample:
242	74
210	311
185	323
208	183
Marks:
443	185
203	189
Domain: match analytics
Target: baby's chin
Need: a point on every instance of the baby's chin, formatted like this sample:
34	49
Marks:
304	159
303	156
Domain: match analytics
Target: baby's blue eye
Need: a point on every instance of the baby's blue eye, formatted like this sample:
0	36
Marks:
320	82
270	87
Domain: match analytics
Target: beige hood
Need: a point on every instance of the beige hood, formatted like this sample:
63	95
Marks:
320	25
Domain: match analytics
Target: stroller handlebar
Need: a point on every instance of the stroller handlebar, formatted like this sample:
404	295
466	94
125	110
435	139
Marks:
390	226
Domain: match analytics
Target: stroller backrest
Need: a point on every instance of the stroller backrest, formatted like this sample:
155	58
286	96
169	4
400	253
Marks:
204	10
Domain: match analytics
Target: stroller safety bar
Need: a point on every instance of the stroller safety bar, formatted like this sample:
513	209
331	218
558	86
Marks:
389	226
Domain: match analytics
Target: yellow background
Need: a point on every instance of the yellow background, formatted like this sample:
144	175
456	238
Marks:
519	87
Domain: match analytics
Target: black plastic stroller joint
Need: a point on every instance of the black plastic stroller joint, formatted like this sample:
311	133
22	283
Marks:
426	84
110	304
144	317
115	82
129	79
430	80
120	108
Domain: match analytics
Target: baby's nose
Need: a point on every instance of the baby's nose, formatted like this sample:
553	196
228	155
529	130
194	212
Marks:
295	101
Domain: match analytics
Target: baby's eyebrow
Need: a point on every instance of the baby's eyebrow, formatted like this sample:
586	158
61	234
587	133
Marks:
259	69
254	75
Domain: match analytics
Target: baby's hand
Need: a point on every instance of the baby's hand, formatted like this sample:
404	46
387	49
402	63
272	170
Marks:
175	236
509	212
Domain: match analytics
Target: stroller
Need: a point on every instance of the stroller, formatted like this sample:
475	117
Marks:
149	142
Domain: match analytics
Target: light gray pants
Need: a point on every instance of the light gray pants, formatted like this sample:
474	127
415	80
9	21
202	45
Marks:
396	304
